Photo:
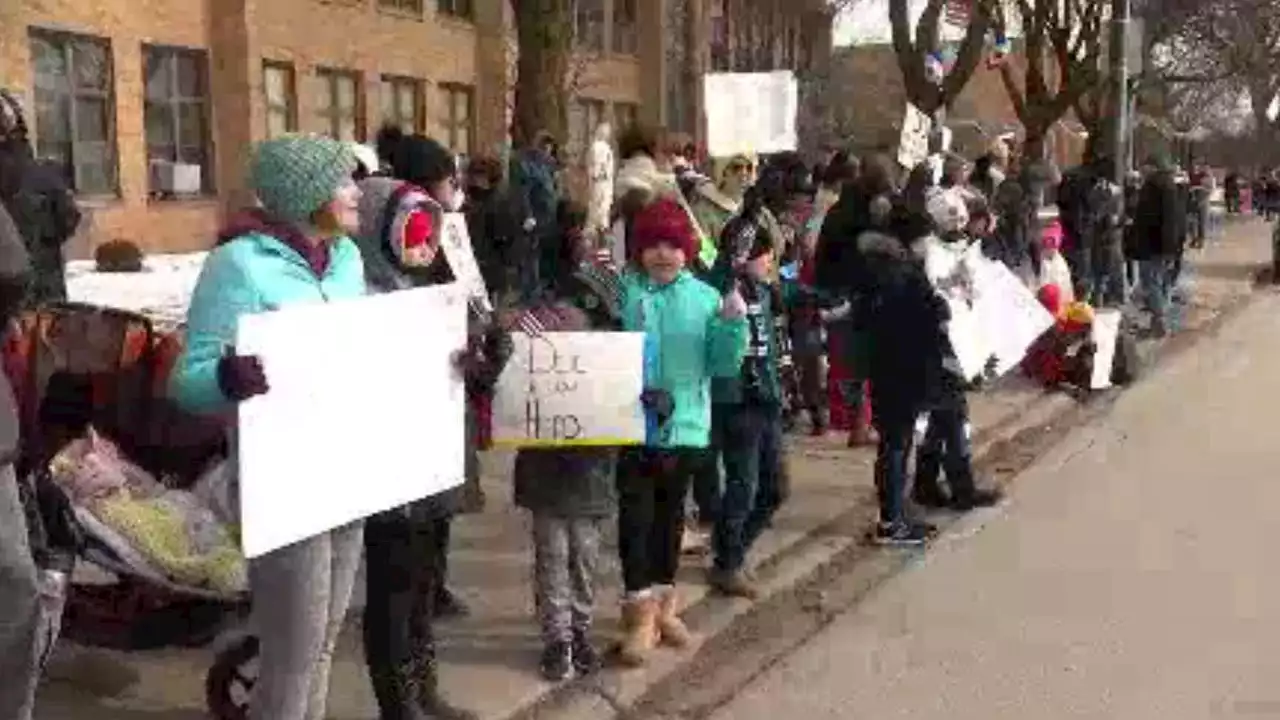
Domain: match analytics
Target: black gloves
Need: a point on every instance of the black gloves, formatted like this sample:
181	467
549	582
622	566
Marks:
659	402
241	377
485	357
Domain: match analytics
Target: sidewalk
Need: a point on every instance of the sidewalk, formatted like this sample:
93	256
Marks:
490	659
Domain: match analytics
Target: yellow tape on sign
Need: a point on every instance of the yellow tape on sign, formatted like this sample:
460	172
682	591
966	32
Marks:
550	443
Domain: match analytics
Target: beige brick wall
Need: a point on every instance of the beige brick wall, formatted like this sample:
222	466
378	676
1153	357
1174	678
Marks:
345	34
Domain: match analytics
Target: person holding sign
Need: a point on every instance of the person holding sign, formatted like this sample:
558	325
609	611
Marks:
293	250
692	334
569	492
401	219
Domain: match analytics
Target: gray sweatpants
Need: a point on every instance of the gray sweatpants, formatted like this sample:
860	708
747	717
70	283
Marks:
300	598
565	554
19	607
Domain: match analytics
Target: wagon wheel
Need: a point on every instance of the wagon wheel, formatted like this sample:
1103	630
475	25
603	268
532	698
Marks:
229	682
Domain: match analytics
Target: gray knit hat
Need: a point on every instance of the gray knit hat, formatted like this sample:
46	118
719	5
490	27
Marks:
296	175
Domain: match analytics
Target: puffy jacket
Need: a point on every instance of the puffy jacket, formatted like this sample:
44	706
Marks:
686	345
253	273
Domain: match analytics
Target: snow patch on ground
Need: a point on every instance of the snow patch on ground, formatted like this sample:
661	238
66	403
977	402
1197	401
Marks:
161	291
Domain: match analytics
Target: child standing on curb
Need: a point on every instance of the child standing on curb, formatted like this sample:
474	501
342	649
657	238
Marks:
747	409
692	335
569	491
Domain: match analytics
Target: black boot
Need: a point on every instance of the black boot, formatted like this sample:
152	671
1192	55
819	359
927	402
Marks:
925	490
449	605
585	658
431	703
396	692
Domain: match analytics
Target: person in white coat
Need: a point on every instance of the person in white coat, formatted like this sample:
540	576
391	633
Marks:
603	168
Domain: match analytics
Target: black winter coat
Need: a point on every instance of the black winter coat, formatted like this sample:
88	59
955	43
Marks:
1160	219
905	319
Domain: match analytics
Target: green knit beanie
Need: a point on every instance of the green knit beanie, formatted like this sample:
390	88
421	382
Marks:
296	175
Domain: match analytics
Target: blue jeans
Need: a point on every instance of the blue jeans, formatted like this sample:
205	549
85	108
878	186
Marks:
751	440
1156	278
891	468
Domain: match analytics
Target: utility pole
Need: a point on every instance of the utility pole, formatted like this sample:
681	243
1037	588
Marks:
1119	73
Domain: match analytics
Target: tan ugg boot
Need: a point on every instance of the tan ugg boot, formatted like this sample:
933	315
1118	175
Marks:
640	630
671	629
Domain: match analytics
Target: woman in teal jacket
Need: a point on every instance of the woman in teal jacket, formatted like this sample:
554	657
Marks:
295	249
692	334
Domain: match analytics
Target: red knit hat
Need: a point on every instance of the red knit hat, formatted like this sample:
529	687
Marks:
663	221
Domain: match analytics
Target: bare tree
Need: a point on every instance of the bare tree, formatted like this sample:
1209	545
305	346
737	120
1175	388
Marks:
911	51
1062	56
545	35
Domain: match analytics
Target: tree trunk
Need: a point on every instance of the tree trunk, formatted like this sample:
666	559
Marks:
544	30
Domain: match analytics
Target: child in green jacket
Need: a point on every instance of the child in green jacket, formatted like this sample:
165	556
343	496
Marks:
692	334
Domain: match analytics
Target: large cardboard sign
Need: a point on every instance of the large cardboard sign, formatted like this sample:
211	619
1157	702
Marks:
751	112
365	412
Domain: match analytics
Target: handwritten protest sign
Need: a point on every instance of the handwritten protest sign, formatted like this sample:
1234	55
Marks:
751	112
326	447
1003	320
462	259
574	388
1105	332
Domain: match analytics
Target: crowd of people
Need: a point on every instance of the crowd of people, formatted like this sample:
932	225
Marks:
772	295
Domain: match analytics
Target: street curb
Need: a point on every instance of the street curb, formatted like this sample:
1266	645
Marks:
832	568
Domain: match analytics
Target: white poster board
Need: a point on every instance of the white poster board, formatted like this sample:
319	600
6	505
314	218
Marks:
913	141
1105	332
365	412
1003	321
462	259
571	389
751	113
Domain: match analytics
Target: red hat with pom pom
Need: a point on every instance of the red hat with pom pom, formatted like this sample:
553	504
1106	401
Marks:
664	221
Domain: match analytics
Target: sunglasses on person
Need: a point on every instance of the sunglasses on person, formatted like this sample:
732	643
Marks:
741	167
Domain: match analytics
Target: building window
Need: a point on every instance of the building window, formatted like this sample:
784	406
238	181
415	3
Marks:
588	24
280	91
455	8
624	116
338	104
624	27
401	103
176	110
402	7
75	109
457	103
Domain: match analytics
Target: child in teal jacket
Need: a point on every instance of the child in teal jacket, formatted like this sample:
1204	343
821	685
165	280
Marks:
692	334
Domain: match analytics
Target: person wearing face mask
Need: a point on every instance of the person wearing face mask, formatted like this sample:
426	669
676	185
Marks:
294	249
406	549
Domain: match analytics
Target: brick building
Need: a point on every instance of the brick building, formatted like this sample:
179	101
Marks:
152	104
122	90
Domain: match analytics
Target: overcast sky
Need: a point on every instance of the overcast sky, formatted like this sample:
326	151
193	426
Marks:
869	23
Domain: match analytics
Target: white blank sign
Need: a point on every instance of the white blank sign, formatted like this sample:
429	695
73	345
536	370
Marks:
365	412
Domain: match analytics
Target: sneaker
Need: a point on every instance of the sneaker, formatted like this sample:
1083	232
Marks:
557	662
904	534
977	499
733	584
585	658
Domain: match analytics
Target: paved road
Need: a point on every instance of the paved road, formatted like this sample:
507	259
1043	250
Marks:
1132	576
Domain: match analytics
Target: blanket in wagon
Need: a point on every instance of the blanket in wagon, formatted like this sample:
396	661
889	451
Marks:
158	532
